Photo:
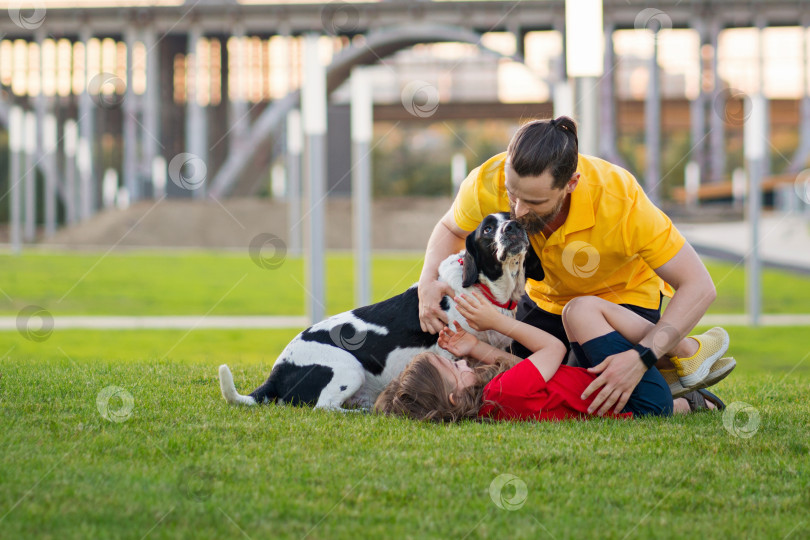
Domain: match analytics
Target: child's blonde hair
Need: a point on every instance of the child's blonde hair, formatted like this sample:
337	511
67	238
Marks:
421	393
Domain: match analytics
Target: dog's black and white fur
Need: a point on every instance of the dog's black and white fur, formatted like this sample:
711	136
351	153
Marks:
349	358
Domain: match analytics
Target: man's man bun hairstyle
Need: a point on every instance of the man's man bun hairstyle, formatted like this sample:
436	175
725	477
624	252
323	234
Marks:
542	145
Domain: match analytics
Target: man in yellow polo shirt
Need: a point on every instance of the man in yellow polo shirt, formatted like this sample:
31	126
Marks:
597	234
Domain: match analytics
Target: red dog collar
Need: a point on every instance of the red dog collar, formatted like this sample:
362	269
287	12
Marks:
510	305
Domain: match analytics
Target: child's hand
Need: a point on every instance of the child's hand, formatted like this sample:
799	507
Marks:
458	343
480	313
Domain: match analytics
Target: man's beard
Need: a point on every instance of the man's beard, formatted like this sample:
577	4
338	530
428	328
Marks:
534	223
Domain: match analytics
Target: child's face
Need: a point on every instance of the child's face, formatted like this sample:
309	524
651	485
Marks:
458	375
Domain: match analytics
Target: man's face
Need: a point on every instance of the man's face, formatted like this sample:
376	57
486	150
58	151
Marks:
533	202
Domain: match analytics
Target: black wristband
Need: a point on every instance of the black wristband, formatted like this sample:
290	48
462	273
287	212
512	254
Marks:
647	356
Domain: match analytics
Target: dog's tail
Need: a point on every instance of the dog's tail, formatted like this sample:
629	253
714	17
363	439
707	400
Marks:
229	390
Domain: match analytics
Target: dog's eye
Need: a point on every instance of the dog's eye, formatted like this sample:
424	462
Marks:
487	229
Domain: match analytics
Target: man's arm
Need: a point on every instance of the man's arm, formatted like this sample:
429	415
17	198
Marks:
447	238
694	293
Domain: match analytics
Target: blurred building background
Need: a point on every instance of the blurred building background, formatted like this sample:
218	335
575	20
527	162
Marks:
113	93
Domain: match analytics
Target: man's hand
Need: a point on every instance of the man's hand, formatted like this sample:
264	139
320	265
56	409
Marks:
431	317
620	374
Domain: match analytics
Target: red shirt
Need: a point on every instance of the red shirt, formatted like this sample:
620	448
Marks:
521	393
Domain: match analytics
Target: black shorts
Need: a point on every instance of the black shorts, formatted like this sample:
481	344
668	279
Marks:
651	396
531	314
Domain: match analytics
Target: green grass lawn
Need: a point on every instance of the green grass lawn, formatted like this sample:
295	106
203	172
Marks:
182	464
228	283
148	283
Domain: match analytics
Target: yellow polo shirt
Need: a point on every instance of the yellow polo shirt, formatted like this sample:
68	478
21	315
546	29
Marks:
609	245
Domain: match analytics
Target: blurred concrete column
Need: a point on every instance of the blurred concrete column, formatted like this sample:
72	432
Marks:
129	117
458	171
84	149
45	140
562	90
738	187
563	99
238	113
70	138
150	135
802	154
313	101
652	127
16	145
584	60
39	101
278	182
29	225
196	114
49	162
109	188
294	145
513	27
755	149
608	128
717	120
691	184
159	173
766	123
587	101
87	195
362	128
697	108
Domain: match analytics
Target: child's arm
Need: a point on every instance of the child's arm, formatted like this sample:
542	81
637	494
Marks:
460	343
481	315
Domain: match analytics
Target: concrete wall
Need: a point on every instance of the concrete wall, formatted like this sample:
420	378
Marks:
400	223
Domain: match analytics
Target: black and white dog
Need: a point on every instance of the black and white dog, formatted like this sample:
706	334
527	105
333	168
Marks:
349	358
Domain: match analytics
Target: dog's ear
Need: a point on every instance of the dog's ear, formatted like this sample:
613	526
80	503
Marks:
470	275
532	267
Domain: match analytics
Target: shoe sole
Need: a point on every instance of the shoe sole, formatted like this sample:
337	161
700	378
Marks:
678	390
717	376
713	378
694	380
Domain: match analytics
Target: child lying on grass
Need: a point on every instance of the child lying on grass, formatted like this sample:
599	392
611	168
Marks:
504	387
